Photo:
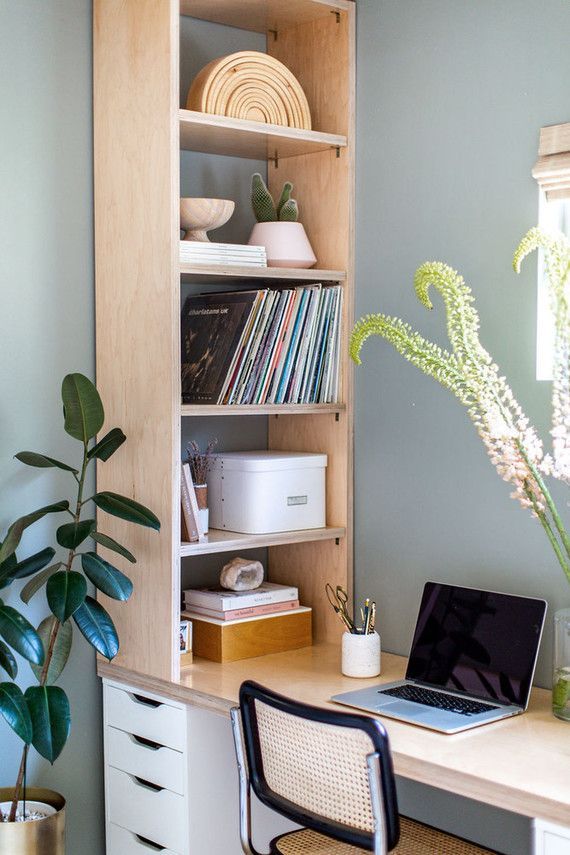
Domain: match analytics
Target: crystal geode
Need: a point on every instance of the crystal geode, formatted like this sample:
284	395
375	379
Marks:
241	574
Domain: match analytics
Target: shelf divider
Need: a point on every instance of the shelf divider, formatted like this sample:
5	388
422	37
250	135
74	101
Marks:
262	16
214	134
230	541
260	409
214	273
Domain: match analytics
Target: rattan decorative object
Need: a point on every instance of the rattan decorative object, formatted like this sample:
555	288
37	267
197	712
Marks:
250	85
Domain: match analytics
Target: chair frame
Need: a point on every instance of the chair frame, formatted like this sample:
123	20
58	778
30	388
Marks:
383	798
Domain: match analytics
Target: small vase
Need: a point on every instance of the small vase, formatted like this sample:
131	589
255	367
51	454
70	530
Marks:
202	499
38	836
360	655
561	677
286	244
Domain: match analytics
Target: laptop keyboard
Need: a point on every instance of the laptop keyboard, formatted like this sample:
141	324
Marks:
441	701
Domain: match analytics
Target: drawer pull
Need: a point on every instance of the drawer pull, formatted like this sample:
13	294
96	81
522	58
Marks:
155	847
148	702
145	743
147	784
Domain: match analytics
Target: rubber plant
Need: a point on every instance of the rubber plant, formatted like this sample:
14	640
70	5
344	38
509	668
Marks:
470	373
40	716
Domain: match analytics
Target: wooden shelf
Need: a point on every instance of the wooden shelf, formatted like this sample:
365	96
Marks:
136	110
212	274
259	409
230	541
242	138
262	16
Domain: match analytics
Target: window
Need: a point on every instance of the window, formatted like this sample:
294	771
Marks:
552	172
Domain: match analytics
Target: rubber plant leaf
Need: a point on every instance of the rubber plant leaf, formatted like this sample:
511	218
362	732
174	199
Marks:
20	635
126	509
71	535
97	627
82	407
8	661
107	446
109	543
51	720
14	710
34	585
42	461
61	648
65	591
6	569
17	528
105	577
30	566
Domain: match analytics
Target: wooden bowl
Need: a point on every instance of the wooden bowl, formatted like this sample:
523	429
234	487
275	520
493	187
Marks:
198	216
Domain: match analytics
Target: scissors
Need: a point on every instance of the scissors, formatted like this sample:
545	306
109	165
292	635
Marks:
338	599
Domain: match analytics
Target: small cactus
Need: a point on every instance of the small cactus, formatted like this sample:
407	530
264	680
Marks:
262	201
289	212
285	196
264	207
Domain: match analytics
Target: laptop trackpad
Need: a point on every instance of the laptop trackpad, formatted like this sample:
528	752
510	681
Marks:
405	709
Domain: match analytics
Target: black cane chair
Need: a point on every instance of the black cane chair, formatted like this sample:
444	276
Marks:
331	773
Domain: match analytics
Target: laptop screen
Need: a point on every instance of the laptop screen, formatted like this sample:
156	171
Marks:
478	642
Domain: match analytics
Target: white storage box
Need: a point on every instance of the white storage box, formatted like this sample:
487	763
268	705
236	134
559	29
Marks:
258	492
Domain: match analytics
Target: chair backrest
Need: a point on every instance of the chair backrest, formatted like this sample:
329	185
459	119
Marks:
311	765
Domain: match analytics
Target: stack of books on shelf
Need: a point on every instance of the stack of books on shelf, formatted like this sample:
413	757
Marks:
271	346
231	625
224	605
233	254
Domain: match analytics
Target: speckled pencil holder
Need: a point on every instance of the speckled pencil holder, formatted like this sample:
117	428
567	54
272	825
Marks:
360	655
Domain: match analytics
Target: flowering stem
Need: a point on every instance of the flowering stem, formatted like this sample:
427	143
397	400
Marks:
549	533
549	501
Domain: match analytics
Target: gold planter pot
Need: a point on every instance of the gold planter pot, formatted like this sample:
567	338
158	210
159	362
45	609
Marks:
36	837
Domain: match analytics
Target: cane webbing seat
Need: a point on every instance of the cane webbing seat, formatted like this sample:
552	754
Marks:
329	772
415	839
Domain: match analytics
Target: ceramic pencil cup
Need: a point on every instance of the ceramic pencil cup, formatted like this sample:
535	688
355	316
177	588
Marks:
360	655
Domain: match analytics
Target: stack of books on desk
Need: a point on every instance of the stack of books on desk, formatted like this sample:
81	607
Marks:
231	625
233	254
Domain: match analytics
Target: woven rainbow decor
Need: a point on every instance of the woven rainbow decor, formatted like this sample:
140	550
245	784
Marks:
250	85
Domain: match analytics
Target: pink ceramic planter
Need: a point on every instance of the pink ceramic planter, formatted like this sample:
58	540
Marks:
286	244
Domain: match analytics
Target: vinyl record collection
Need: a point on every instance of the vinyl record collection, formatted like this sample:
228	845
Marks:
262	347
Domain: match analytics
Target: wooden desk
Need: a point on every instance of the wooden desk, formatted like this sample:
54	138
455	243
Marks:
521	764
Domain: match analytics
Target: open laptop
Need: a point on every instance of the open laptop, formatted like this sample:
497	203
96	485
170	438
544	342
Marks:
472	661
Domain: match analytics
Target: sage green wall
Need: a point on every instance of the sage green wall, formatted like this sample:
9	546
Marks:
450	99
47	312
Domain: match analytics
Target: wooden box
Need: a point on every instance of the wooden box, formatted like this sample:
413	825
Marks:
227	641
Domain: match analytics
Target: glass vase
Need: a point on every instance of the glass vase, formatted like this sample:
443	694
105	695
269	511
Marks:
561	678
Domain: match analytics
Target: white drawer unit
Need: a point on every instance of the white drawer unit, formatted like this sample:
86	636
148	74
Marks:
146	759
128	843
550	839
145	715
146	772
149	811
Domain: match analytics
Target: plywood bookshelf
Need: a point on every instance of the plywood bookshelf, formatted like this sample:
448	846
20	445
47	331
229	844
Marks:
139	133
